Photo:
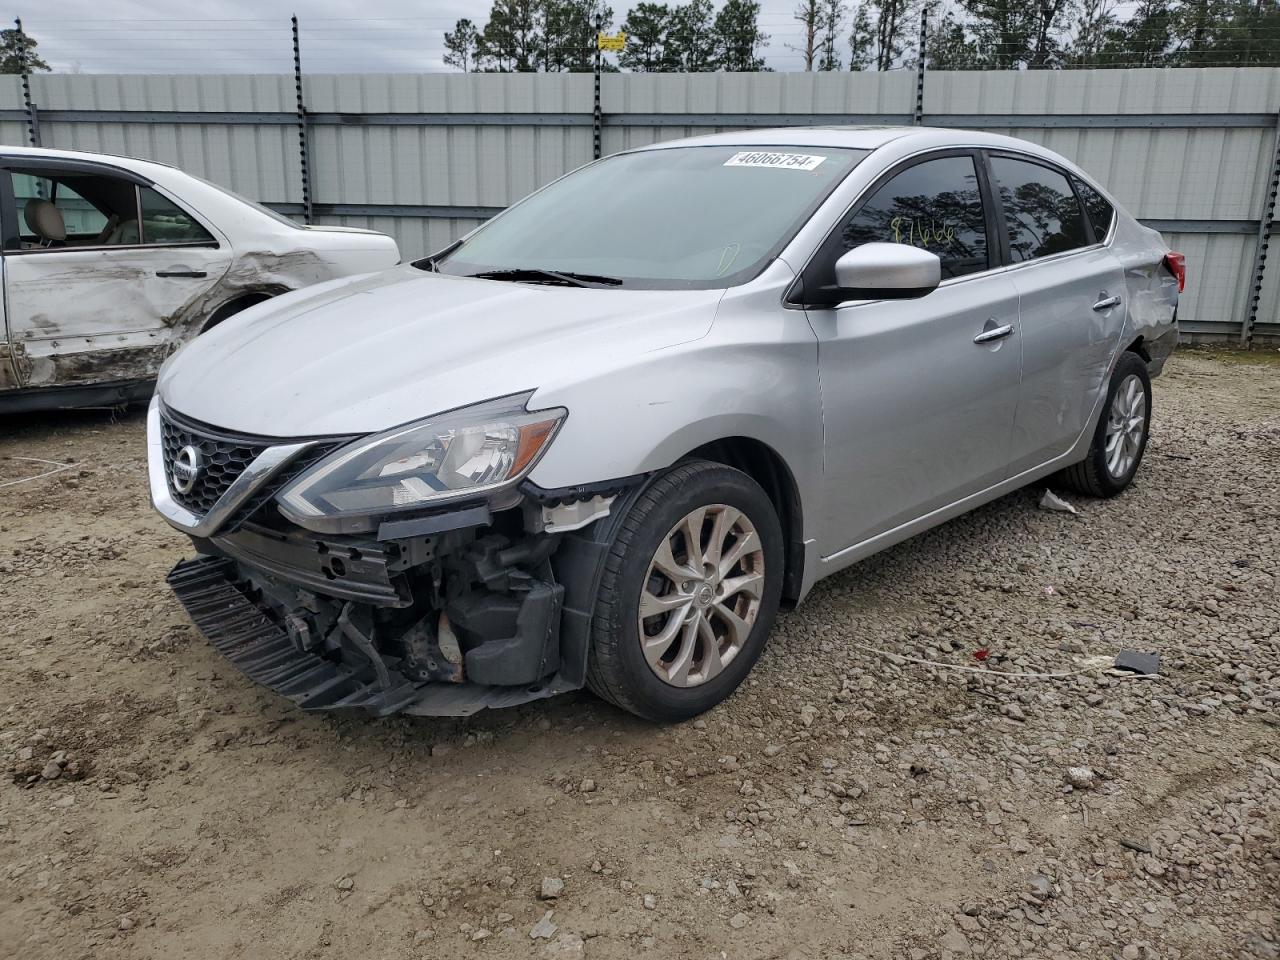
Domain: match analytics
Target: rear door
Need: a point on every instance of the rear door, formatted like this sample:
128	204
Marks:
109	299
916	411
1070	304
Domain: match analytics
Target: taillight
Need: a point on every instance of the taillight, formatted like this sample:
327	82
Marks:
1176	264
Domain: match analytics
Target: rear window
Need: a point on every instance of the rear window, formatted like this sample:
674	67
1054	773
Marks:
1041	212
1099	211
163	221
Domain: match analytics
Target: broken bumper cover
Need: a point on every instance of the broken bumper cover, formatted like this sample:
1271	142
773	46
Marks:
246	631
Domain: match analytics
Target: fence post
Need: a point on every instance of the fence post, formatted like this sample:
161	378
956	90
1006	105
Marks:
597	118
924	30
1254	299
304	145
33	124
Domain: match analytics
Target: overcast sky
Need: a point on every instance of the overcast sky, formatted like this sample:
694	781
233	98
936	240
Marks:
252	36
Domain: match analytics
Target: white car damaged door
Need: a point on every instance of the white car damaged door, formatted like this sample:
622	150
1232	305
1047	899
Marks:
103	276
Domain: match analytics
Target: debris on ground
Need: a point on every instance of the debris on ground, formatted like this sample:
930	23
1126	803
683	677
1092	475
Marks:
1134	661
1054	503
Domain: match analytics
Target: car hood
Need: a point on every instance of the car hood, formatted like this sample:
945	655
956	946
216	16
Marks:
369	353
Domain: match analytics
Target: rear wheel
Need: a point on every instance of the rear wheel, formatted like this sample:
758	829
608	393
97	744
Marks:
1121	436
689	593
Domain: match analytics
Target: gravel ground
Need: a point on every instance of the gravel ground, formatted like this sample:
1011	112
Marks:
844	804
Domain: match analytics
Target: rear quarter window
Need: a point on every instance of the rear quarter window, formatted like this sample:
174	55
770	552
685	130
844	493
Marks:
1098	209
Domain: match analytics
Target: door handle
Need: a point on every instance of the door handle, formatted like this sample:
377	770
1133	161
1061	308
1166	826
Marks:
991	334
1106	303
186	272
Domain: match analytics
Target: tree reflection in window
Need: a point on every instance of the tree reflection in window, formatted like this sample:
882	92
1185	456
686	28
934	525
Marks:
936	206
1099	210
1041	212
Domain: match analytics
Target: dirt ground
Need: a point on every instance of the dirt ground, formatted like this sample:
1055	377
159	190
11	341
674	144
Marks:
844	804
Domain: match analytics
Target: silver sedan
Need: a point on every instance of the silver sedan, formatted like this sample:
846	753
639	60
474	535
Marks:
601	439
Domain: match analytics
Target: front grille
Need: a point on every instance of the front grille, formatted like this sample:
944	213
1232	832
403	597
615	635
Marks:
294	468
224	456
223	459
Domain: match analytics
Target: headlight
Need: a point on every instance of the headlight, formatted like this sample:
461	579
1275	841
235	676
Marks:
472	451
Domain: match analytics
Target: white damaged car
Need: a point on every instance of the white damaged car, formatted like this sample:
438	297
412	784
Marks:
111	263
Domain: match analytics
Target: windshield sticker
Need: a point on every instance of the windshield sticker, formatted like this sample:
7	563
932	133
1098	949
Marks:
780	161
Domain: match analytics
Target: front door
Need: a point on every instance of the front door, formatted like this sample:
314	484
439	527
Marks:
101	275
918	396
1070	300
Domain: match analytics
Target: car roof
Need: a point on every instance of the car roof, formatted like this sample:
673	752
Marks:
855	137
136	164
860	137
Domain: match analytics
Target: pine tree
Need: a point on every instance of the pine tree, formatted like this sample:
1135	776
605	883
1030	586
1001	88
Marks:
948	46
18	53
689	38
738	38
568	31
646	28
462	45
893	21
834	13
861	39
1096	19
510	42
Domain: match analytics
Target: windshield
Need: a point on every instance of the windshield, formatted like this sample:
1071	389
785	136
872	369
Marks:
683	217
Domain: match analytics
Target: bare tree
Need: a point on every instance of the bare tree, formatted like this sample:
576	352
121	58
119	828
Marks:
809	15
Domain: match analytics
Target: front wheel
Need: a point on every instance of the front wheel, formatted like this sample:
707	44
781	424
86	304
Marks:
1121	437
689	593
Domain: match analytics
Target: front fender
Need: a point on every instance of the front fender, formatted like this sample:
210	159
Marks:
754	375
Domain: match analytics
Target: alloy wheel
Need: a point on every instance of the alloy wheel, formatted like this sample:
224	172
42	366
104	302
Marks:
701	595
1126	423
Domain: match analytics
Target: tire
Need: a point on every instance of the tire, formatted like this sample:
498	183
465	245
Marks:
691	681
1099	475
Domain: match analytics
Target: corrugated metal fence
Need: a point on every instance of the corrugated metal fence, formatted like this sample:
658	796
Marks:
425	157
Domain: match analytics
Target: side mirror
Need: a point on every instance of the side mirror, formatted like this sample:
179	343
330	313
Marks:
887	271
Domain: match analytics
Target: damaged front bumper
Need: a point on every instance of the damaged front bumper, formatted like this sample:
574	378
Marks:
478	607
344	669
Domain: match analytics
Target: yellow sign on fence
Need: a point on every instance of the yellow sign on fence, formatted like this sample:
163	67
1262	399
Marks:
615	42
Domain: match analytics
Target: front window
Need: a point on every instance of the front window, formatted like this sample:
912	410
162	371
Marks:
684	217
936	206
83	223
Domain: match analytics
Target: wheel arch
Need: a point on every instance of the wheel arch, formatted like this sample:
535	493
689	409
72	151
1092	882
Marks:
766	467
1138	347
241	301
